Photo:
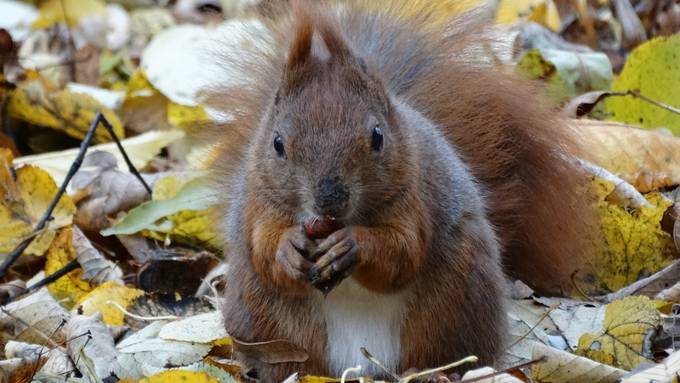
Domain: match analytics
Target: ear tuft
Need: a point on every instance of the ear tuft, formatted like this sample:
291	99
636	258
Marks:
301	48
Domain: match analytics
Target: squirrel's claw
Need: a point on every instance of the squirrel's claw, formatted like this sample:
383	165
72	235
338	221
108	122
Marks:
337	263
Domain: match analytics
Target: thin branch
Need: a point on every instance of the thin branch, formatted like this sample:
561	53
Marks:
16	253
469	359
375	361
67	268
541	319
637	94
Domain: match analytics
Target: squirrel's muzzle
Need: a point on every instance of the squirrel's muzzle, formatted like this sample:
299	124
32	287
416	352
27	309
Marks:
331	197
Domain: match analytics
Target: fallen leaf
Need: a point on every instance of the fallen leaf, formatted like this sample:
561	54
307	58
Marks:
98	301
666	371
563	367
274	351
653	70
179	209
175	271
140	149
70	288
37	318
202	328
91	346
39	102
180	376
543	12
96	268
144	354
631	153
626	324
567	73
71	11
484	371
106	190
11	290
24	201
577	320
633	243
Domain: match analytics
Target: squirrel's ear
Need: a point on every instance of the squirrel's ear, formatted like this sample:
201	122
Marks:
301	48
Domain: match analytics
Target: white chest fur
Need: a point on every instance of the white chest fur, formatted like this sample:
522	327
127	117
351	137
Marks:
357	317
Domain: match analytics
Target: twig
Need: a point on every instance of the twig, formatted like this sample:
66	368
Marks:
541	319
67	268
343	378
637	94
375	361
469	359
99	119
491	375
578	289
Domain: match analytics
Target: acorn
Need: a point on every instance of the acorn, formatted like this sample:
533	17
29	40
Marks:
320	228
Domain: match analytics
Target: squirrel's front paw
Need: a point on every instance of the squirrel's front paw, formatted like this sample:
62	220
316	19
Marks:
339	254
294	247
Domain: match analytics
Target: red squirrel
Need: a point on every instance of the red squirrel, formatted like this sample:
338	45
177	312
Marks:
378	172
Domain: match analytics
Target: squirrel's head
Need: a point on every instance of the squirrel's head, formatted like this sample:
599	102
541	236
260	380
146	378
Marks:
330	144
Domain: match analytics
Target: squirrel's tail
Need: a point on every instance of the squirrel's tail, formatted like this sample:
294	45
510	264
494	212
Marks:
515	145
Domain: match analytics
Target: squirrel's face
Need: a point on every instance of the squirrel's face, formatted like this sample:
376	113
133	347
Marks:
331	143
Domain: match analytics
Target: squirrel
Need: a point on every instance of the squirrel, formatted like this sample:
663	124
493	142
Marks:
381	176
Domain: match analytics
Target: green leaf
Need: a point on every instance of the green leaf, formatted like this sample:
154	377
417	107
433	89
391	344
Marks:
192	196
568	73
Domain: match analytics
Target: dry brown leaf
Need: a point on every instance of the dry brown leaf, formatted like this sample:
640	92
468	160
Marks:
648	160
11	290
96	268
91	346
37	318
563	367
108	189
275	351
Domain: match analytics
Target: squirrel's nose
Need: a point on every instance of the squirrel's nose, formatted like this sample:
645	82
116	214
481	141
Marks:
331	197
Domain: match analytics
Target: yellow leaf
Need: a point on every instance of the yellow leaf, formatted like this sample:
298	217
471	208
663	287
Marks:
621	342
39	102
68	289
541	11
653	69
180	210
633	243
52	12
144	107
546	15
24	202
186	117
180	376
317	379
8	188
97	301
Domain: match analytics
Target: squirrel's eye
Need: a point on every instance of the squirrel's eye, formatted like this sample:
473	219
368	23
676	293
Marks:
278	144
377	139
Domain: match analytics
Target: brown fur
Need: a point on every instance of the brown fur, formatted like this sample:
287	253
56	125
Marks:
420	219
